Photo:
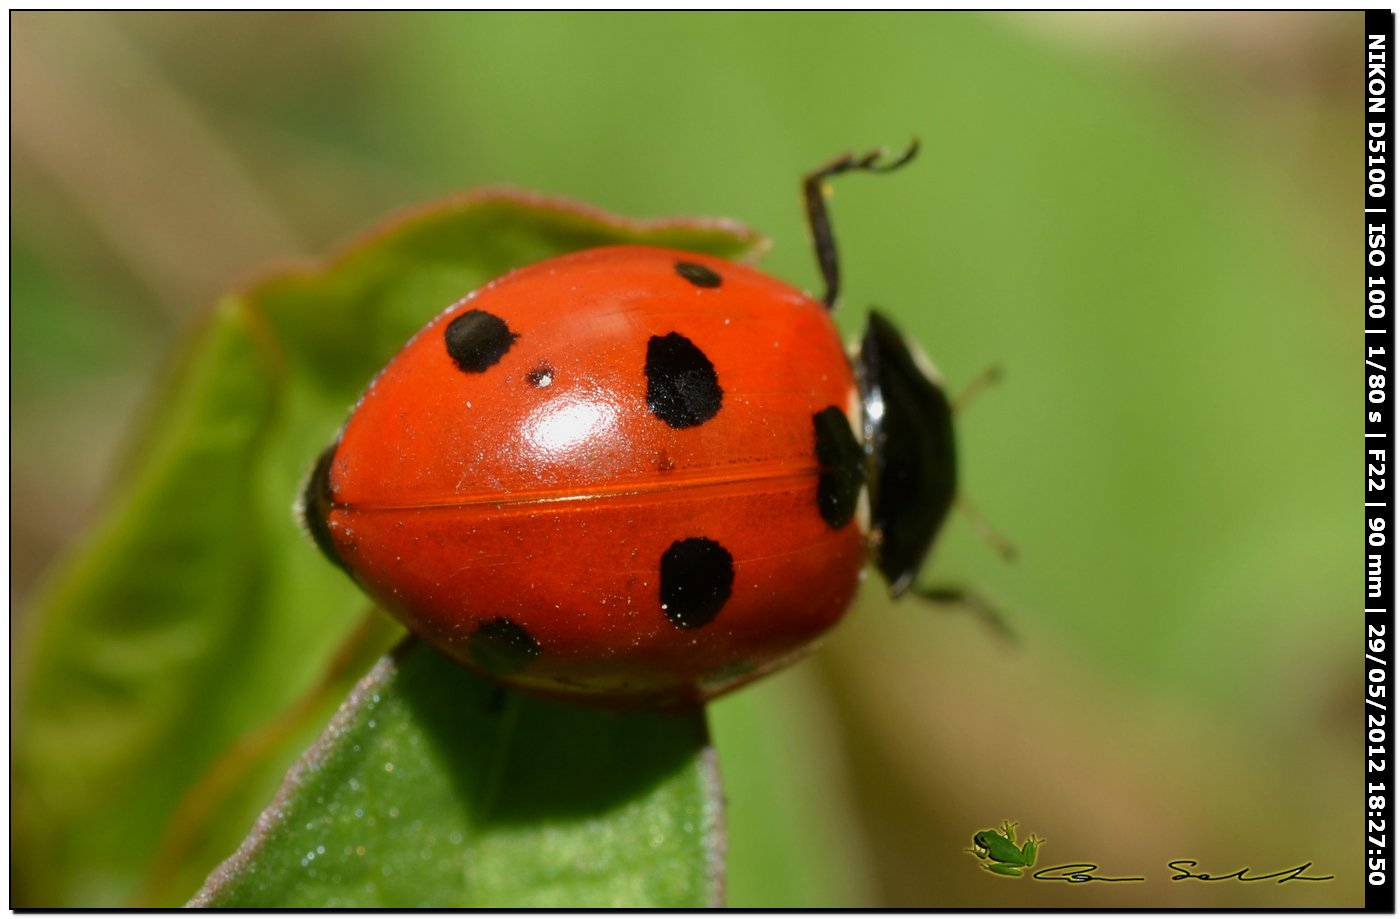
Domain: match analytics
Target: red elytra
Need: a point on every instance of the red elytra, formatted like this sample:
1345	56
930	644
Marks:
634	476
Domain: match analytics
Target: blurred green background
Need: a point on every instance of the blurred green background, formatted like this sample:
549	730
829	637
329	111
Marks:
1148	220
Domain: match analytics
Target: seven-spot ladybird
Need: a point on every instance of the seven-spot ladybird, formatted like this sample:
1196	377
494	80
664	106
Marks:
638	477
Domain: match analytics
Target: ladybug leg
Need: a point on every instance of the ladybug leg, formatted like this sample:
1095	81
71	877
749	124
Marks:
994	540
973	388
949	597
819	221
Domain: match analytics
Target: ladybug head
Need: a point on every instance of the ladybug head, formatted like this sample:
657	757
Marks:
908	431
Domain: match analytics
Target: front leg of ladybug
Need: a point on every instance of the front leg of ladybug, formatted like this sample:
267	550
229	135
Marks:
814	192
948	597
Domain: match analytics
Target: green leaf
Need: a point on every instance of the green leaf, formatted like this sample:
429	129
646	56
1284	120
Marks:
435	788
195	617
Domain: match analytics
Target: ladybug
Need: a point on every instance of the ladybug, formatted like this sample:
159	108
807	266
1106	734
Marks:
638	477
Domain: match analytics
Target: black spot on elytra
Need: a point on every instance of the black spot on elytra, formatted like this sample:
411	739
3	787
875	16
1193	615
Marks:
476	340
697	576
541	376
682	386
698	275
842	467
315	507
501	647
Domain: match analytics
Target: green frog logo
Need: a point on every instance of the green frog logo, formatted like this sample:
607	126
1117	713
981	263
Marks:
998	849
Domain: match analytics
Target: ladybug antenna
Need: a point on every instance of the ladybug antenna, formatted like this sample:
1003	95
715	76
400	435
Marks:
814	191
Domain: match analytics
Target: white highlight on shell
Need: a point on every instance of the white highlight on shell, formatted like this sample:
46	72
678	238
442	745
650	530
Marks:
563	426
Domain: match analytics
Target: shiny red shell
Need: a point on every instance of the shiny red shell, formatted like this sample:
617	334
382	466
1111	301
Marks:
522	516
